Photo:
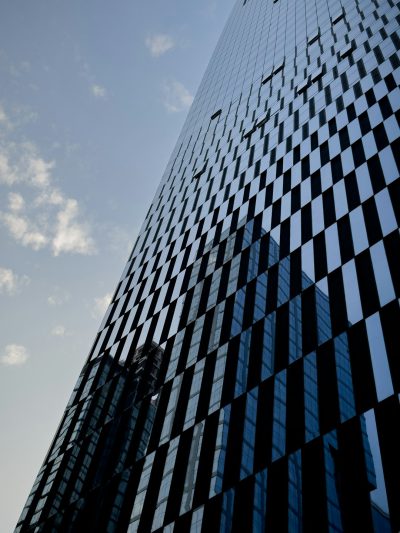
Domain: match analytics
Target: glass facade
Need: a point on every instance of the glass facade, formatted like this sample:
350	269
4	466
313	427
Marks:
246	375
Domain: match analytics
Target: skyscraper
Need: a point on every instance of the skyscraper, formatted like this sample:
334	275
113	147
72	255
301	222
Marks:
247	375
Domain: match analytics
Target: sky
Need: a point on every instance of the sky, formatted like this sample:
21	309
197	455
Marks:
93	96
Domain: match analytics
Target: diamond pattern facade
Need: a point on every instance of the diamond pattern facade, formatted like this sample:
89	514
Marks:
247	373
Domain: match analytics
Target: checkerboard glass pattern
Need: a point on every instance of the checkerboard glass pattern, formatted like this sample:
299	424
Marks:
247	372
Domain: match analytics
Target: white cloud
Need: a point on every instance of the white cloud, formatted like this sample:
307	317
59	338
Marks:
99	92
59	331
24	231
7	280
21	163
176	97
7	176
159	44
43	216
53	221
11	283
39	171
101	305
49	197
16	225
70	235
14	355
16	202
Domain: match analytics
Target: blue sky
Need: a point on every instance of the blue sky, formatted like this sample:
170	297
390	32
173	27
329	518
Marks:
92	98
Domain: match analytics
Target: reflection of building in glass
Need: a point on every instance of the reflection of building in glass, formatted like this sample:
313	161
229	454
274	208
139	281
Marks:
266	276
333	461
100	430
381	520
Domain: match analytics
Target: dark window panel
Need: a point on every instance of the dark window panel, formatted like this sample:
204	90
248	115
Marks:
361	366
295	407
309	329
263	441
390	320
202	487
315	516
178	477
277	497
351	478
387	412
282	338
234	444
327	388
367	285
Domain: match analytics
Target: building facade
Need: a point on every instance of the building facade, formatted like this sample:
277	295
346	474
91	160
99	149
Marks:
246	375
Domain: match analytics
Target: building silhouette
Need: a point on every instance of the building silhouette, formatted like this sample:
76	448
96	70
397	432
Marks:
246	375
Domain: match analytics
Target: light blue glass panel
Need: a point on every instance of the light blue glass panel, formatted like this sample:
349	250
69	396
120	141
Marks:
220	451
243	363
334	514
268	354
295	329
261	295
380	365
311	409
260	500
249	434
228	501
238	310
324	328
344	378
295	492
374	462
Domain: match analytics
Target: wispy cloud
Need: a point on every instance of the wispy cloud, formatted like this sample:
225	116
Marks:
19	69
71	235
11	283
15	71
6	173
23	230
99	92
85	71
21	163
43	216
21	116
3	117
101	305
58	297
14	355
159	44
16	202
59	331
176	97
